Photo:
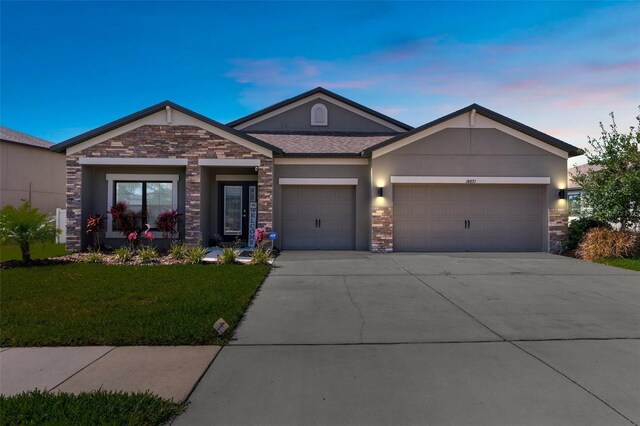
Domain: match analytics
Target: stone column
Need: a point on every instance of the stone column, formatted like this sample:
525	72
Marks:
382	229
193	233
265	193
558	227
74	204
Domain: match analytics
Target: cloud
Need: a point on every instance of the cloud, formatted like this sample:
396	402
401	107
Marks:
574	73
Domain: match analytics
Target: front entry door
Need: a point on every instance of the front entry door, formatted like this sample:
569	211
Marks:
237	211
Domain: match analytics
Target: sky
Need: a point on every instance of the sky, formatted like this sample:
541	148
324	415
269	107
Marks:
560	67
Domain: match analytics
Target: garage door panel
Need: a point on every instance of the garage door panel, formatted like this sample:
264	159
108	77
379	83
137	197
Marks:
318	217
503	217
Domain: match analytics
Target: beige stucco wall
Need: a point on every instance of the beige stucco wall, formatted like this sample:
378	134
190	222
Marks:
21	165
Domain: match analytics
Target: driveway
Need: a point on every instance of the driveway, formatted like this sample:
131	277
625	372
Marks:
446	339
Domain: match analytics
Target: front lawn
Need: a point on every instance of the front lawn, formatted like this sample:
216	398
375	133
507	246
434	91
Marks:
95	408
38	251
94	304
632	264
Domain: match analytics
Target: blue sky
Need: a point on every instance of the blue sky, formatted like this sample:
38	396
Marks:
561	67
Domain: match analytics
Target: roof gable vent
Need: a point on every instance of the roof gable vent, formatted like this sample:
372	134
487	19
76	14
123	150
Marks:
319	115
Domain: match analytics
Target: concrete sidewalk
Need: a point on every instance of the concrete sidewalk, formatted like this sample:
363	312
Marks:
168	371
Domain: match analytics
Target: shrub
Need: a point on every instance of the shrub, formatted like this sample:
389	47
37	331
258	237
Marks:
167	222
178	250
24	226
95	225
229	255
125	220
94	256
147	254
259	256
123	254
602	243
578	228
195	254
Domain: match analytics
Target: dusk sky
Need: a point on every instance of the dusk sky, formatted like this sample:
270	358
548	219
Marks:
559	67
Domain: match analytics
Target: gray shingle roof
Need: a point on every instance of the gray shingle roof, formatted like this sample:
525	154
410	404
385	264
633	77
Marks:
10	135
320	144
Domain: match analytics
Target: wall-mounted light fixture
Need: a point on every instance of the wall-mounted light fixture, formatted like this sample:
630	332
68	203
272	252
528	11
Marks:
562	194
380	191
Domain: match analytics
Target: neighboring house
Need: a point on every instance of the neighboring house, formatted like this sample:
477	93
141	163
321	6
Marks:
575	192
327	173
29	171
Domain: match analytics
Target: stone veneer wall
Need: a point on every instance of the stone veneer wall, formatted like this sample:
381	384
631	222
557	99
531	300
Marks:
382	229
558	227
160	141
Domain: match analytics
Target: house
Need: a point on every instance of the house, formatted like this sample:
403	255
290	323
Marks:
575	192
29	171
327	173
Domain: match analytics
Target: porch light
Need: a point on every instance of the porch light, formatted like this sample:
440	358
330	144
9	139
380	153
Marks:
380	191
562	194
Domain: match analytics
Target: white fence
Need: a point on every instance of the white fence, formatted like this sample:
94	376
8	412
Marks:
61	224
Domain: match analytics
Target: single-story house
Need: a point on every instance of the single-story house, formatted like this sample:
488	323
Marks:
29	171
325	172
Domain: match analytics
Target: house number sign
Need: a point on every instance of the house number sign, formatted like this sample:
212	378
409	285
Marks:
471	180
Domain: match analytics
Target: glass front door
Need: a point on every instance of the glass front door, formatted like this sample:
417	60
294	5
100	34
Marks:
237	211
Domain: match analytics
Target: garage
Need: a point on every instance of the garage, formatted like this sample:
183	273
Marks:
318	217
441	217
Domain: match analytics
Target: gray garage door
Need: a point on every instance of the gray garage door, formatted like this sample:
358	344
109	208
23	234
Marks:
467	217
318	217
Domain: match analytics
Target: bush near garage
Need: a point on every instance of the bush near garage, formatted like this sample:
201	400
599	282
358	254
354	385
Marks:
578	228
608	243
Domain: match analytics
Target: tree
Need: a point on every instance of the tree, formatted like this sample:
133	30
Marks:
24	226
612	187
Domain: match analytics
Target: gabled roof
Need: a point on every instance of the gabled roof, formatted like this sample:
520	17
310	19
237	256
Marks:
530	131
152	110
323	91
310	144
10	135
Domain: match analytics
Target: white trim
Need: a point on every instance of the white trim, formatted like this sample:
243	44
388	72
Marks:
324	98
479	180
463	121
325	112
111	161
239	178
112	177
229	162
177	119
318	181
322	161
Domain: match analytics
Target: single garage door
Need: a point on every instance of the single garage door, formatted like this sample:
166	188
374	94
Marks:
318	217
467	217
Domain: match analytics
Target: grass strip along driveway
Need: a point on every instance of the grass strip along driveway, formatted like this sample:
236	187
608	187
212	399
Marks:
92	304
631	264
96	408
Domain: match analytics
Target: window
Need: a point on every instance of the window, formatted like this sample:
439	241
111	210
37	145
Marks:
319	115
573	197
147	194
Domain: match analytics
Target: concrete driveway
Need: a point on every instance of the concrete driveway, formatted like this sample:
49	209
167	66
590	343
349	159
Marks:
356	338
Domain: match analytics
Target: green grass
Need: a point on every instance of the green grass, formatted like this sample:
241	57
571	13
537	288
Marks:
632	264
94	304
38	251
94	408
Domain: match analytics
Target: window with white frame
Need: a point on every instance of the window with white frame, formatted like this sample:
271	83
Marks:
147	194
319	115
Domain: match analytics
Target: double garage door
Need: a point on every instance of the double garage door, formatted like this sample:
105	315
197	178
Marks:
318	217
468	217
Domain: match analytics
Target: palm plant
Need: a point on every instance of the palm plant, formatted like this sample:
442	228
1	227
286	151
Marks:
24	226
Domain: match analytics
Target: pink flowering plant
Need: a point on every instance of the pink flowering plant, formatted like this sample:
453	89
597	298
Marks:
167	222
261	234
